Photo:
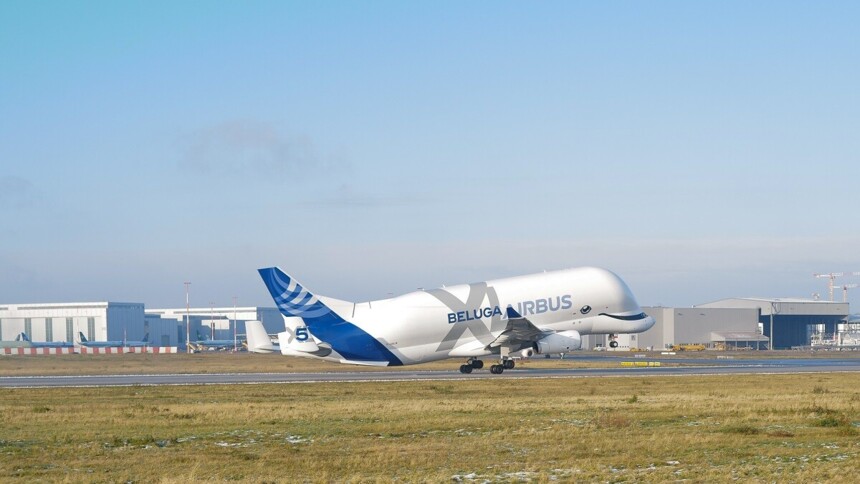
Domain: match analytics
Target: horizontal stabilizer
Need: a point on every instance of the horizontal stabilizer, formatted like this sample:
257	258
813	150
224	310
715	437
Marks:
290	347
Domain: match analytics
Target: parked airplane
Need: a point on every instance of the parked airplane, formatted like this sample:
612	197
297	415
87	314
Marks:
83	341
214	344
542	313
23	341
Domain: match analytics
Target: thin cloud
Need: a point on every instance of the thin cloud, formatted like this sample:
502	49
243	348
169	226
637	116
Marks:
17	193
347	196
247	148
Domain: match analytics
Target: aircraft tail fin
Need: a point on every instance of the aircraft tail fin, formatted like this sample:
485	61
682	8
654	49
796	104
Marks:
292	298
22	337
81	338
325	328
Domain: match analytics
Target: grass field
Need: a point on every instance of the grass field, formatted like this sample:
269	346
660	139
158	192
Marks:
792	428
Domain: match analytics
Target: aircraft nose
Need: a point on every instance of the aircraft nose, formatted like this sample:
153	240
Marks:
646	323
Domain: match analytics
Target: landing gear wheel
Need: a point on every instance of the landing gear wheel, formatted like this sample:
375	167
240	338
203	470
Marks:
508	364
613	344
465	368
476	364
497	369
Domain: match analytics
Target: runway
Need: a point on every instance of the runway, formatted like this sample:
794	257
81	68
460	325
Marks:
689	367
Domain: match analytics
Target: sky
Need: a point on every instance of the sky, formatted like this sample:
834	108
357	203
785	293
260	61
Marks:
700	150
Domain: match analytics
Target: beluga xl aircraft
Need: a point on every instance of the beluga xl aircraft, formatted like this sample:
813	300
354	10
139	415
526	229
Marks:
544	313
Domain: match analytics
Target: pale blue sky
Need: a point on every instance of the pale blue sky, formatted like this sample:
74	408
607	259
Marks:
701	150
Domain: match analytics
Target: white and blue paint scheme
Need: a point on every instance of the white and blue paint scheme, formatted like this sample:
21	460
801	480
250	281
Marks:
25	342
541	313
83	341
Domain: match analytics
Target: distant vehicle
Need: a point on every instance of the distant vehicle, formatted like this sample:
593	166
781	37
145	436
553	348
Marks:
688	347
23	341
83	341
543	313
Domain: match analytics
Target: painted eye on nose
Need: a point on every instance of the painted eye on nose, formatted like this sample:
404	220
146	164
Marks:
585	309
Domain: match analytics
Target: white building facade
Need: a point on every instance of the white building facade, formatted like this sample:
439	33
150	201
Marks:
216	323
98	321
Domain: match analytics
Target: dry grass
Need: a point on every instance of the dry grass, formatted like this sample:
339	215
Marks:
794	428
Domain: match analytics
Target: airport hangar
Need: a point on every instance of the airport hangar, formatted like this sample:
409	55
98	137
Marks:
735	323
728	323
120	321
216	323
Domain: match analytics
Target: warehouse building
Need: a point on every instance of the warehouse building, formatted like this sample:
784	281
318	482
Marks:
736	323
55	322
118	321
789	322
215	323
727	328
724	328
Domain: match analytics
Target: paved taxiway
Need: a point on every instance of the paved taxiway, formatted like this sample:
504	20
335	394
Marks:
690	367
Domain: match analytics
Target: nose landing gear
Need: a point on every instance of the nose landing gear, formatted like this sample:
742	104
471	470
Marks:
612	342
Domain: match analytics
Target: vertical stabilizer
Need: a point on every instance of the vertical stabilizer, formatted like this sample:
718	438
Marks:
258	339
346	338
292	299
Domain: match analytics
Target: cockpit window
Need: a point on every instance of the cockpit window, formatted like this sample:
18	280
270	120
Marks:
626	318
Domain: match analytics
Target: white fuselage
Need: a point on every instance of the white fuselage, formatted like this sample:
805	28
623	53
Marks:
462	320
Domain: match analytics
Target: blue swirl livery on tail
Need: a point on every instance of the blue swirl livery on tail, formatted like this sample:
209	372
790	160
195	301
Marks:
347	339
292	299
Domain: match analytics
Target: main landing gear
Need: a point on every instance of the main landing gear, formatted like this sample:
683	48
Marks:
475	364
472	364
505	365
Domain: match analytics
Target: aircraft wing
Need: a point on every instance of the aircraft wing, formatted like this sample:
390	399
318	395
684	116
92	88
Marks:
520	332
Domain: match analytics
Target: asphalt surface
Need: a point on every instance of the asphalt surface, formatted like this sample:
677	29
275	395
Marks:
689	367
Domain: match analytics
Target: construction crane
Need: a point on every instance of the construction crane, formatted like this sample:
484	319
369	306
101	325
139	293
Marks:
832	276
845	288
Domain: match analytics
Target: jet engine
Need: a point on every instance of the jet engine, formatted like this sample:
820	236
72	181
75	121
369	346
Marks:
527	353
561	342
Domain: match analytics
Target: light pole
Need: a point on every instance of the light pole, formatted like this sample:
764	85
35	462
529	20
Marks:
235	323
187	317
211	320
770	340
774	309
